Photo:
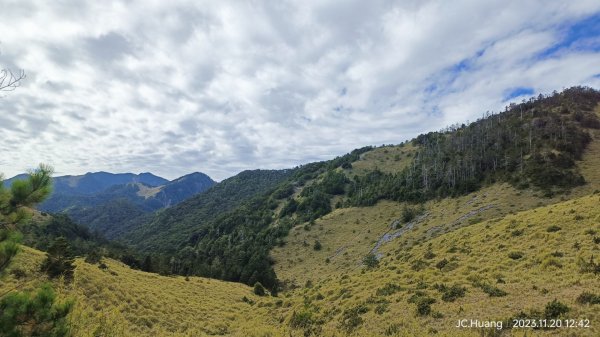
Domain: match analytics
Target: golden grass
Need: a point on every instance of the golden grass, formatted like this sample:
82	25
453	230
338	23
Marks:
388	159
480	251
147	192
119	301
169	306
347	235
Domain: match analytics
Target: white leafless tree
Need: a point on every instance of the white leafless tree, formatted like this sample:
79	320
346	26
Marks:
9	80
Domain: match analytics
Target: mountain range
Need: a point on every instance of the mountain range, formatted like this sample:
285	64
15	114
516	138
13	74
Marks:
493	220
103	201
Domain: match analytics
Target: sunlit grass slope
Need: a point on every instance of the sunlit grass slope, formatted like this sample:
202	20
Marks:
348	234
119	301
552	244
534	256
388	159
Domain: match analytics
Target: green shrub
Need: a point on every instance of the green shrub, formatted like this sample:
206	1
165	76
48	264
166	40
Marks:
18	273
317	246
589	266
301	320
588	298
553	228
424	306
555	309
351	318
422	301
410	213
259	289
517	232
490	289
418	265
388	289
450	266
381	308
440	265
429	254
516	255
370	261
557	254
450	294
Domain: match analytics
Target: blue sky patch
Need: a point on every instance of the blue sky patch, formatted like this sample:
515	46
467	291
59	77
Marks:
517	92
582	35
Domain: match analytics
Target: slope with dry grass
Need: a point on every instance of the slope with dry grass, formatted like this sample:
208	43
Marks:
530	258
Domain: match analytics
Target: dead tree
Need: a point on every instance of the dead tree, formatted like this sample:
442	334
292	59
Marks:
9	81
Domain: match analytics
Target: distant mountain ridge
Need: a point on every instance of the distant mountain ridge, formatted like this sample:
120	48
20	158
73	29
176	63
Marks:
101	200
94	182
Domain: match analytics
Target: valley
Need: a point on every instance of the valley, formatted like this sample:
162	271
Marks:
397	240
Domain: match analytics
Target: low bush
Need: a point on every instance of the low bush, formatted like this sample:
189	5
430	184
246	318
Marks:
450	294
259	289
370	261
588	298
388	289
515	255
351	318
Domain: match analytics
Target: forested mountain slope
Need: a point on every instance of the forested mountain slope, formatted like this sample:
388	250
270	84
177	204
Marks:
533	146
538	264
108	211
168	229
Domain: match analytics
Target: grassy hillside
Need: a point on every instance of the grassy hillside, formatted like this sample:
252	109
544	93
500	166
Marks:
348	234
119	301
389	159
529	258
374	243
534	256
531	150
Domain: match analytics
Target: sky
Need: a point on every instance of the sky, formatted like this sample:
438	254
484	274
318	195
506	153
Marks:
173	87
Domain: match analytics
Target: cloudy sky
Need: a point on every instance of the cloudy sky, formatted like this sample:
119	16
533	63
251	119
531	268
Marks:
173	87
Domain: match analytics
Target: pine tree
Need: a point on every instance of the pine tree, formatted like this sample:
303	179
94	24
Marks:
147	264
13	207
59	260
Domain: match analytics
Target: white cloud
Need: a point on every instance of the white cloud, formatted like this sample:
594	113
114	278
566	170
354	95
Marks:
180	86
